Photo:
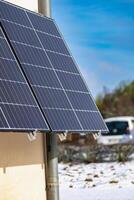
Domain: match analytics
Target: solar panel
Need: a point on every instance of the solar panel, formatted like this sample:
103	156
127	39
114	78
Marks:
18	108
51	70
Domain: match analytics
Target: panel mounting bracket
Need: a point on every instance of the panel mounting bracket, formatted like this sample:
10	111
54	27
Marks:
32	135
96	135
63	136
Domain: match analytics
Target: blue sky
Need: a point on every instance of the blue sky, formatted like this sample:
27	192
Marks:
100	35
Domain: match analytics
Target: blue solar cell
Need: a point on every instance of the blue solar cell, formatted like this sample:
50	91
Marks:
21	34
43	24
61	120
81	101
4	50
14	14
53	43
62	62
1	34
41	76
9	70
23	117
3	121
72	81
31	55
18	93
91	121
52	98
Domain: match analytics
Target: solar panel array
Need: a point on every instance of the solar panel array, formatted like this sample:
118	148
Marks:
18	107
50	70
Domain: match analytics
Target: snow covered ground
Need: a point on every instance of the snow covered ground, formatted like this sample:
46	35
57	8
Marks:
97	181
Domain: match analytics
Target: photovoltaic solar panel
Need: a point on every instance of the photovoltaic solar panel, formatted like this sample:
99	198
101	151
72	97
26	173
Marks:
18	108
51	71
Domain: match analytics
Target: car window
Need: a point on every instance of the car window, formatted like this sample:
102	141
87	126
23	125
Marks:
117	127
133	123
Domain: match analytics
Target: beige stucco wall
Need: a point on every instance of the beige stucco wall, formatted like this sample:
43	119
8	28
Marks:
29	4
22	170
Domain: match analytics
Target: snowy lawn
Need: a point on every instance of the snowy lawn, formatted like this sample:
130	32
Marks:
97	181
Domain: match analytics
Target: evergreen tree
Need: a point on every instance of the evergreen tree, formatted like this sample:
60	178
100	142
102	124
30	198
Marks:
120	102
